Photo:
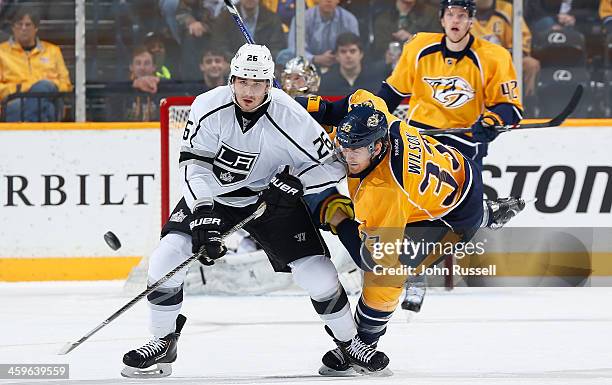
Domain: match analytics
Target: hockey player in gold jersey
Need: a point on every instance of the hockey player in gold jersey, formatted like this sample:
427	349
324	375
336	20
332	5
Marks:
403	186
455	80
494	24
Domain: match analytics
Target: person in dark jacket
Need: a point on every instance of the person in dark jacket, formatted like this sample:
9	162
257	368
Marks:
400	23
264	26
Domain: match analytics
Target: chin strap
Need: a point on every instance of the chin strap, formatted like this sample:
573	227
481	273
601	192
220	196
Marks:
463	37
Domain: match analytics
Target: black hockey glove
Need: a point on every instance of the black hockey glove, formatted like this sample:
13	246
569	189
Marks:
206	232
484	130
283	194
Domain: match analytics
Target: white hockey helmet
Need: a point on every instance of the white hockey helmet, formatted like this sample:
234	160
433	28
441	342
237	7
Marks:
253	61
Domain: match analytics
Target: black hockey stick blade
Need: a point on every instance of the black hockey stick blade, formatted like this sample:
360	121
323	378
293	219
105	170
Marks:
554	122
559	119
70	346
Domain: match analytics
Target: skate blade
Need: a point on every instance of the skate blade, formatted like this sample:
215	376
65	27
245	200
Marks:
386	372
329	372
411	307
161	370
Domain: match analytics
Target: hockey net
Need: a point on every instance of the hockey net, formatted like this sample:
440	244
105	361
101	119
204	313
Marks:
246	270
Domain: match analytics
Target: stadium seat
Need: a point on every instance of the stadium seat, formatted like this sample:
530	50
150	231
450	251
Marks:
556	85
560	48
608	51
608	92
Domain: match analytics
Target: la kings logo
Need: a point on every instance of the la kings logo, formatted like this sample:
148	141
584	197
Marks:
178	216
451	92
232	166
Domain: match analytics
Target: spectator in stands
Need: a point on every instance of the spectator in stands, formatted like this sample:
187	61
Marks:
544	15
587	22
402	22
166	67
142	104
142	71
28	64
349	75
494	23
605	13
196	21
215	67
323	24
366	12
264	25
3	21
285	9
132	20
168	10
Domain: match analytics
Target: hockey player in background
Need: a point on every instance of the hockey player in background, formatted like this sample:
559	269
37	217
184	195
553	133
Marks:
300	77
455	80
247	143
403	186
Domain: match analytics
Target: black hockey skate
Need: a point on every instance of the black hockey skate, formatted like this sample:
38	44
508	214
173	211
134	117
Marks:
354	357
499	212
160	351
336	364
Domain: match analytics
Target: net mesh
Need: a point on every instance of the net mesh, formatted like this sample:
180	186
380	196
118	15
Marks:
178	115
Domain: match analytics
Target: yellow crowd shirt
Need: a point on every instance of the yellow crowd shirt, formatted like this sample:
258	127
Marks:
20	69
498	28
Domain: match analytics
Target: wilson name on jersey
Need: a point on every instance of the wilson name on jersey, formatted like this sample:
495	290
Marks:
418	179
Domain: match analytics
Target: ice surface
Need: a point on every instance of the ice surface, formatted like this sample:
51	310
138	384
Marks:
469	336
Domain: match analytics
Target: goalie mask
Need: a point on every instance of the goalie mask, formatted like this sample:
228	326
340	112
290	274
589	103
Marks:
253	62
300	77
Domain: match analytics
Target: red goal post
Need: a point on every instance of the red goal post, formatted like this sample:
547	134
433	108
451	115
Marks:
169	119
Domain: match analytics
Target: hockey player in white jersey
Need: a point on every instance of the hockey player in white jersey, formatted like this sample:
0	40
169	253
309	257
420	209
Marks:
245	143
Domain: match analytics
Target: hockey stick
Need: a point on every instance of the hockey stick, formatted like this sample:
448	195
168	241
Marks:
554	122
72	345
245	32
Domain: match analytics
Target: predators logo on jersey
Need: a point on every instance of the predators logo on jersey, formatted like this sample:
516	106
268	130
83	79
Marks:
451	92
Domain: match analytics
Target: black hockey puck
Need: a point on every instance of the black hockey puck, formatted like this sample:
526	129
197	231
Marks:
112	241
